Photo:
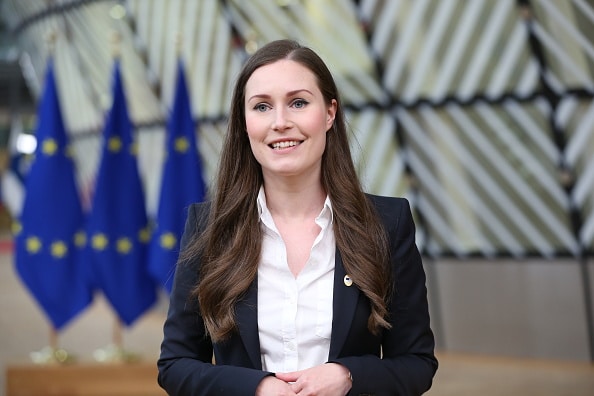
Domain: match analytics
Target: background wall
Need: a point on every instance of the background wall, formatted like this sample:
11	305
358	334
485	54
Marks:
520	308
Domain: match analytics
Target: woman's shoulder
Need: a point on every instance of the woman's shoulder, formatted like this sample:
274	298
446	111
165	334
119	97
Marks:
394	212
385	204
197	216
200	207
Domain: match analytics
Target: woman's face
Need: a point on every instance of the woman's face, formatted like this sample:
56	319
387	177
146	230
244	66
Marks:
287	119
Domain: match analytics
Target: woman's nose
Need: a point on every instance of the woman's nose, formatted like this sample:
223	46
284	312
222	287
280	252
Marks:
281	121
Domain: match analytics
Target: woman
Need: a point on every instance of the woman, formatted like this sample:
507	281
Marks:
297	281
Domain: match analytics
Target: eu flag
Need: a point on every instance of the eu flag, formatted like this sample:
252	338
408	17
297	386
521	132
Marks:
117	226
181	185
49	237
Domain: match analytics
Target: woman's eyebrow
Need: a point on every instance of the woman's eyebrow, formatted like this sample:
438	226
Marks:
290	93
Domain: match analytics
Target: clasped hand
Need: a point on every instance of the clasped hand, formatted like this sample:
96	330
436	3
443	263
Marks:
330	379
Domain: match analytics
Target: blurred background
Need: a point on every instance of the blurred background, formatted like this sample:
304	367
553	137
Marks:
480	112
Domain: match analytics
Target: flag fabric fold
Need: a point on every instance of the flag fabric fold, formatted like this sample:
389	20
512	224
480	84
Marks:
117	226
181	184
49	238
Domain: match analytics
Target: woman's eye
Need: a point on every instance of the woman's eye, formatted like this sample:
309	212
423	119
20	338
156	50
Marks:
261	107
299	103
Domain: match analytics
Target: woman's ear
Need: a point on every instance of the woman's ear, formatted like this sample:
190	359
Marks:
331	114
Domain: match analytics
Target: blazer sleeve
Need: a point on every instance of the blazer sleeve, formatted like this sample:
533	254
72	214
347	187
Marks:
185	364
408	363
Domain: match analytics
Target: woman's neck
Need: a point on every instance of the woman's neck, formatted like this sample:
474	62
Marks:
287	199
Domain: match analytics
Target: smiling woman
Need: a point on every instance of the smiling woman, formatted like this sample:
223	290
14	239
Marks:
289	275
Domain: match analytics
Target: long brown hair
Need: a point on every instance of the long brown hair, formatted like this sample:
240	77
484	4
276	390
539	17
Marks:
229	248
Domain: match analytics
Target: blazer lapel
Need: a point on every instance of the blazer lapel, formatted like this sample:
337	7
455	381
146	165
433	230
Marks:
343	307
247	321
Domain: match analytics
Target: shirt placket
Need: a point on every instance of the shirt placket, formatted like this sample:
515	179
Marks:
289	326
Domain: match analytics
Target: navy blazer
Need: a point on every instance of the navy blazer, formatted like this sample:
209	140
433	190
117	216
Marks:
400	361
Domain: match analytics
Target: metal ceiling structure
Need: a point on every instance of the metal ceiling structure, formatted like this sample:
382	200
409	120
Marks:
480	112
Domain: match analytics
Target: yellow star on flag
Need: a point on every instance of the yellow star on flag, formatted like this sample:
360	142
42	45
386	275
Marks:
58	249
168	240
123	245
181	144
33	244
114	144
134	149
80	239
144	235
16	228
49	146
99	241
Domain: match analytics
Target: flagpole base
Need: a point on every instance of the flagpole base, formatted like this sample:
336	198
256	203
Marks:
51	355
115	354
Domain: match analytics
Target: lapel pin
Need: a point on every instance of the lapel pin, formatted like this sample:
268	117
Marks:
347	280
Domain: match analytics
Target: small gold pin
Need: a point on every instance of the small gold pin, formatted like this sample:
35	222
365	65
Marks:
347	280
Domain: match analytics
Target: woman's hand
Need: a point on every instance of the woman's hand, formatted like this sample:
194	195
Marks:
272	386
330	379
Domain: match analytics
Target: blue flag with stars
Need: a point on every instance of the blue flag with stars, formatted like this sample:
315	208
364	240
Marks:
181	185
117	225
49	236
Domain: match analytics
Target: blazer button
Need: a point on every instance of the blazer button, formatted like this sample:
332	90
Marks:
347	280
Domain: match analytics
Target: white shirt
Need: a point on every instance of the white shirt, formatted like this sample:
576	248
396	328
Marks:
295	314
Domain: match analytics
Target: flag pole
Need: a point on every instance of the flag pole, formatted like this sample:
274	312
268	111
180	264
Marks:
179	44
60	355
117	335
112	353
52	354
118	340
115	352
53	338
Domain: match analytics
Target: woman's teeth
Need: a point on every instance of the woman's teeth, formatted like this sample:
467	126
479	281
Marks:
282	145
